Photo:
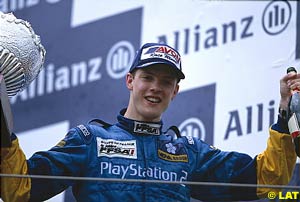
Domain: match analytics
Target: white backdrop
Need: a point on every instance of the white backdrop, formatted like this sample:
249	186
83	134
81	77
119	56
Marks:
246	68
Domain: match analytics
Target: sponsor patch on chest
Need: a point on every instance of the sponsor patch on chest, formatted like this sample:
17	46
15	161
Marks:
172	157
170	152
116	148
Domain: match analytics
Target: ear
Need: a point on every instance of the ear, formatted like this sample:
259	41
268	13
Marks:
129	80
175	91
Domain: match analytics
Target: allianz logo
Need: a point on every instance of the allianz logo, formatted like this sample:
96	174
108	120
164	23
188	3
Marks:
192	127
55	79
16	5
275	18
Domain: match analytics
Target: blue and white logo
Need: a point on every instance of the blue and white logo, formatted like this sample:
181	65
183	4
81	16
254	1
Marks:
193	127
170	148
119	58
276	17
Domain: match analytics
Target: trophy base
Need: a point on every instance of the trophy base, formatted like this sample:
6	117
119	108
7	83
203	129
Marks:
6	115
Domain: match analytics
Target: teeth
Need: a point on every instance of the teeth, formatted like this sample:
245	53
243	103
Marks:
153	99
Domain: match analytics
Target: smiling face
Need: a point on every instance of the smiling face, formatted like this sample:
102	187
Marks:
151	90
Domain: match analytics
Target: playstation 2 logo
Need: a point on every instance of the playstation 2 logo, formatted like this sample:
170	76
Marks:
276	17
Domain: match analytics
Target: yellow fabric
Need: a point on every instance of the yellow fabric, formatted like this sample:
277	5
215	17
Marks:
276	164
13	161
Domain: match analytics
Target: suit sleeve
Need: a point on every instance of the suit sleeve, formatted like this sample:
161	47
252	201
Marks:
13	161
67	158
214	165
276	164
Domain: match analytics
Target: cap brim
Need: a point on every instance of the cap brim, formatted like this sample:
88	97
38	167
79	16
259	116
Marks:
179	73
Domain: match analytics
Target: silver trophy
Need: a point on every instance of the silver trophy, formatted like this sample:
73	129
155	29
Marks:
21	59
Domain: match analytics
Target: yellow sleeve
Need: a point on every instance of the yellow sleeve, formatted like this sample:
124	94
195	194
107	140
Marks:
13	161
276	164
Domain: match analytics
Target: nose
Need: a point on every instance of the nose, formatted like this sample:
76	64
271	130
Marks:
156	86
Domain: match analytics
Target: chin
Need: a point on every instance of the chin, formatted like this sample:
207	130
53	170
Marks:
152	116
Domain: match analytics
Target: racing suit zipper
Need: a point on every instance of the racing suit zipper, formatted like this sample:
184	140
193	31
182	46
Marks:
147	142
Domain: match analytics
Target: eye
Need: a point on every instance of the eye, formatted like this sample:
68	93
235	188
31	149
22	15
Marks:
147	77
168	82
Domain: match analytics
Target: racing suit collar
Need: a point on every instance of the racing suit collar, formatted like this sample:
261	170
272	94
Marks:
139	127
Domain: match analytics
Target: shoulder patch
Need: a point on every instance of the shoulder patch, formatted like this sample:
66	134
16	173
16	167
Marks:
62	143
213	147
190	140
84	130
85	133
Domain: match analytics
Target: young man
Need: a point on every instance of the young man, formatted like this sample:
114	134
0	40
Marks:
136	148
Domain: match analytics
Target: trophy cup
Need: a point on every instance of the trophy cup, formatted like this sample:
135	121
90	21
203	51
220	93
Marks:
21	59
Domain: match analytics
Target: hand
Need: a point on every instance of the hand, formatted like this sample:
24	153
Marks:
289	82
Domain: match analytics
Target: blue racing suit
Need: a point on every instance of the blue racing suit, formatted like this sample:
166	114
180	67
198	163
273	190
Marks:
131	149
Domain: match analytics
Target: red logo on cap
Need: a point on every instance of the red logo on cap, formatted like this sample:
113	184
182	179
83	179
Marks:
169	51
